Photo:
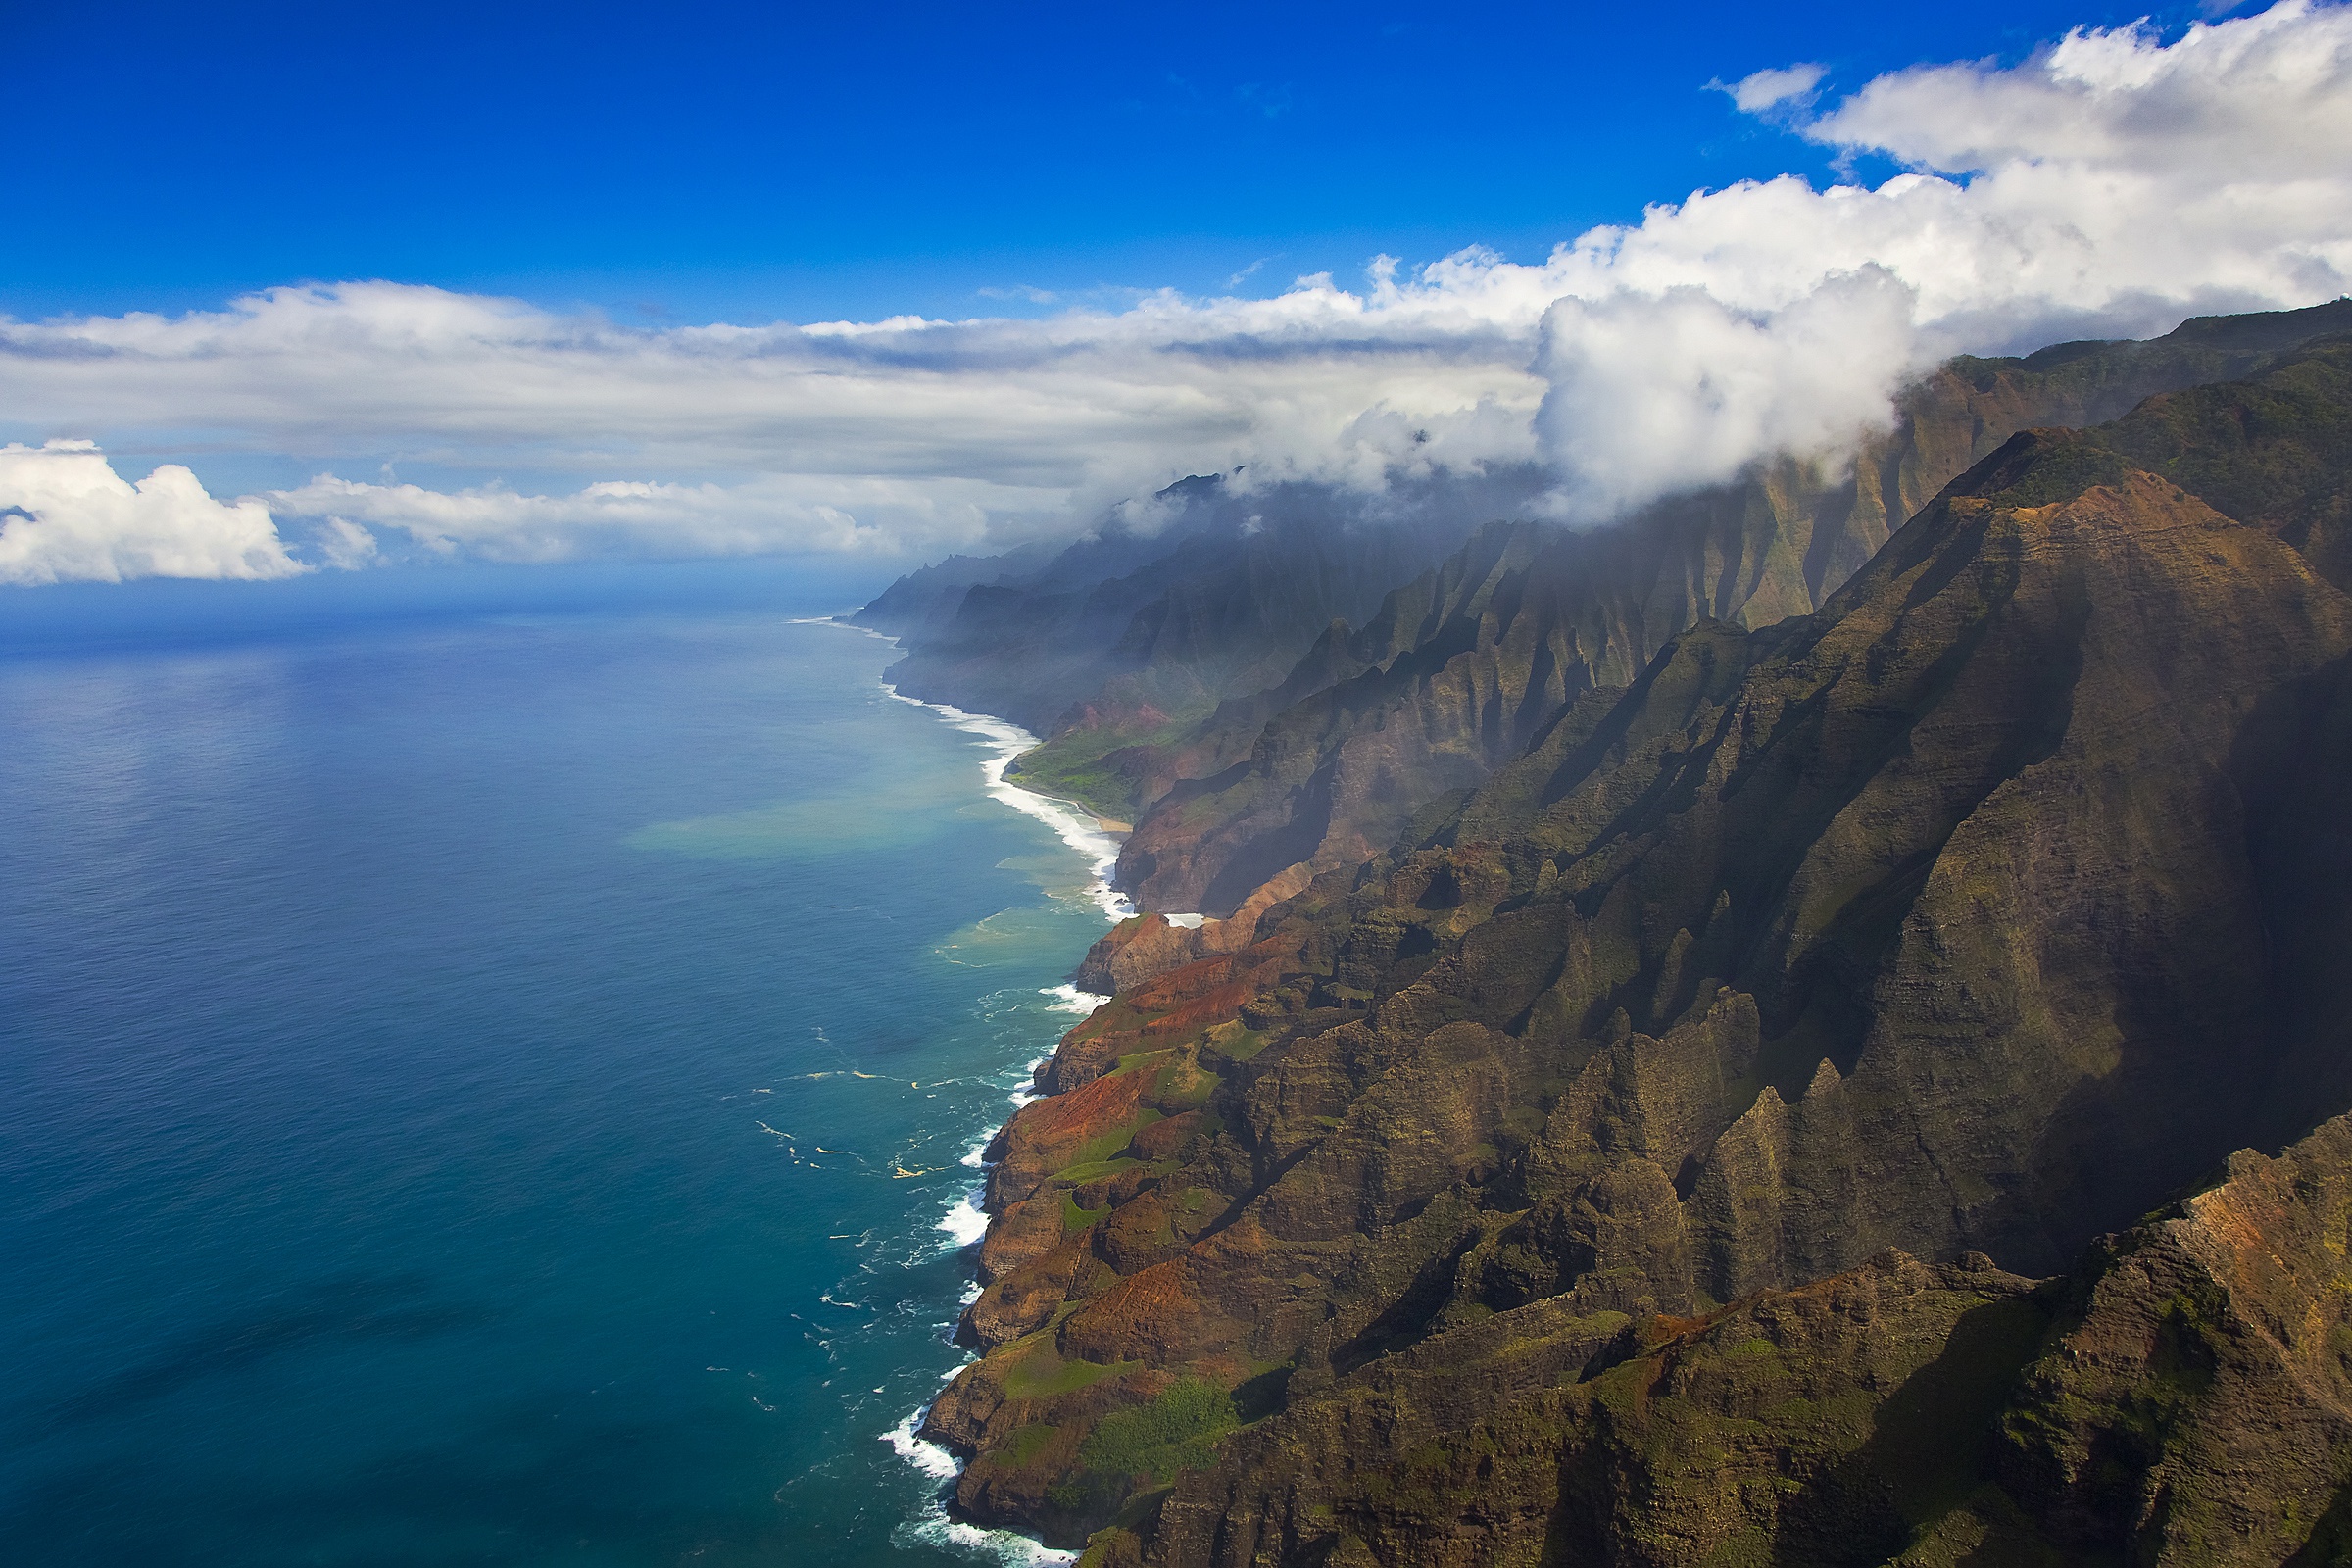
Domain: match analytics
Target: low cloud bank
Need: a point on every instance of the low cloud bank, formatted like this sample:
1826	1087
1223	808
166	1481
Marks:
2107	186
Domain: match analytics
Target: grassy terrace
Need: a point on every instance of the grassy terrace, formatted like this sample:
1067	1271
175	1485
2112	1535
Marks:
1077	767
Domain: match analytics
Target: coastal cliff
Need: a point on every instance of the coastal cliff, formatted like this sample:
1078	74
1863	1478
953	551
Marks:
1459	669
1725	1123
1272	679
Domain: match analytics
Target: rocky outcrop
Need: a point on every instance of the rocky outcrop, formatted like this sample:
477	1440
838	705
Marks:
1148	946
2194	1404
1821	1425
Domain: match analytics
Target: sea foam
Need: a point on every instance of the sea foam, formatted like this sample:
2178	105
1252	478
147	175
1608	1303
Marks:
932	1525
965	1223
1072	824
1070	998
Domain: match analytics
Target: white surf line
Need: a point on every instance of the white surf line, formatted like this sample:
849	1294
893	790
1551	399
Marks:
1073	824
934	1528
1070	998
966	1222
842	621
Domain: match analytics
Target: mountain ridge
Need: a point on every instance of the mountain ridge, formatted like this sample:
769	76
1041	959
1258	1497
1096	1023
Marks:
1338	766
1899	924
1507	1189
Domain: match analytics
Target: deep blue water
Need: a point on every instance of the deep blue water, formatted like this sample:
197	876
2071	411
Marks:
457	1081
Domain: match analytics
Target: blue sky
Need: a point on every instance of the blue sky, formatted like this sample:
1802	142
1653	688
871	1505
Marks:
290	291
698	162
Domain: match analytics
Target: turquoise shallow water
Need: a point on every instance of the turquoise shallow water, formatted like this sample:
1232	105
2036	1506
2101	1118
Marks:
488	1090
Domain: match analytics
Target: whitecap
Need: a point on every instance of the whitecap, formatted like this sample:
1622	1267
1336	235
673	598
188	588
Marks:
1070	998
1026	1090
932	1525
965	1224
933	1528
928	1457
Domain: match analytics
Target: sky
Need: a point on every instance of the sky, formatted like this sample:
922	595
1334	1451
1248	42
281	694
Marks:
288	291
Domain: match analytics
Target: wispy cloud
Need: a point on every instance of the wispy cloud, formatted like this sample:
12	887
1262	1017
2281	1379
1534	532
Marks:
1773	88
2108	185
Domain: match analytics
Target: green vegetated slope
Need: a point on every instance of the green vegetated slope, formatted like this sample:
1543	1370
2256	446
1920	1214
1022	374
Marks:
1459	667
1623	1165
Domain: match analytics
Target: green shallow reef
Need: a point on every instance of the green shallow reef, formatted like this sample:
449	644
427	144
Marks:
1763	1080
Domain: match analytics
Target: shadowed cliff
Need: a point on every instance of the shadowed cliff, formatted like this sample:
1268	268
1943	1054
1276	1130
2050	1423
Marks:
1209	590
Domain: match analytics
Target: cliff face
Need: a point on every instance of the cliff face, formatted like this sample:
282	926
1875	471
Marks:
1462	666
1973	913
2183	1397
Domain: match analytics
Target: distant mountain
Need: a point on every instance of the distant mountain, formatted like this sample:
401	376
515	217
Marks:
1461	667
1642	1154
1211	664
1129	632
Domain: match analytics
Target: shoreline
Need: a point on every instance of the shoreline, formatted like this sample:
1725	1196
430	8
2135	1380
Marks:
1083	830
1096	838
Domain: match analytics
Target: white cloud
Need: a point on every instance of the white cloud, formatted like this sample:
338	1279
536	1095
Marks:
2108	185
71	519
1765	89
1716	387
622	518
934	432
346	546
2261	98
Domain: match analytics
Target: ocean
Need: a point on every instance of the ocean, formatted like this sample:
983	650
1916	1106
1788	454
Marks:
503	1087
